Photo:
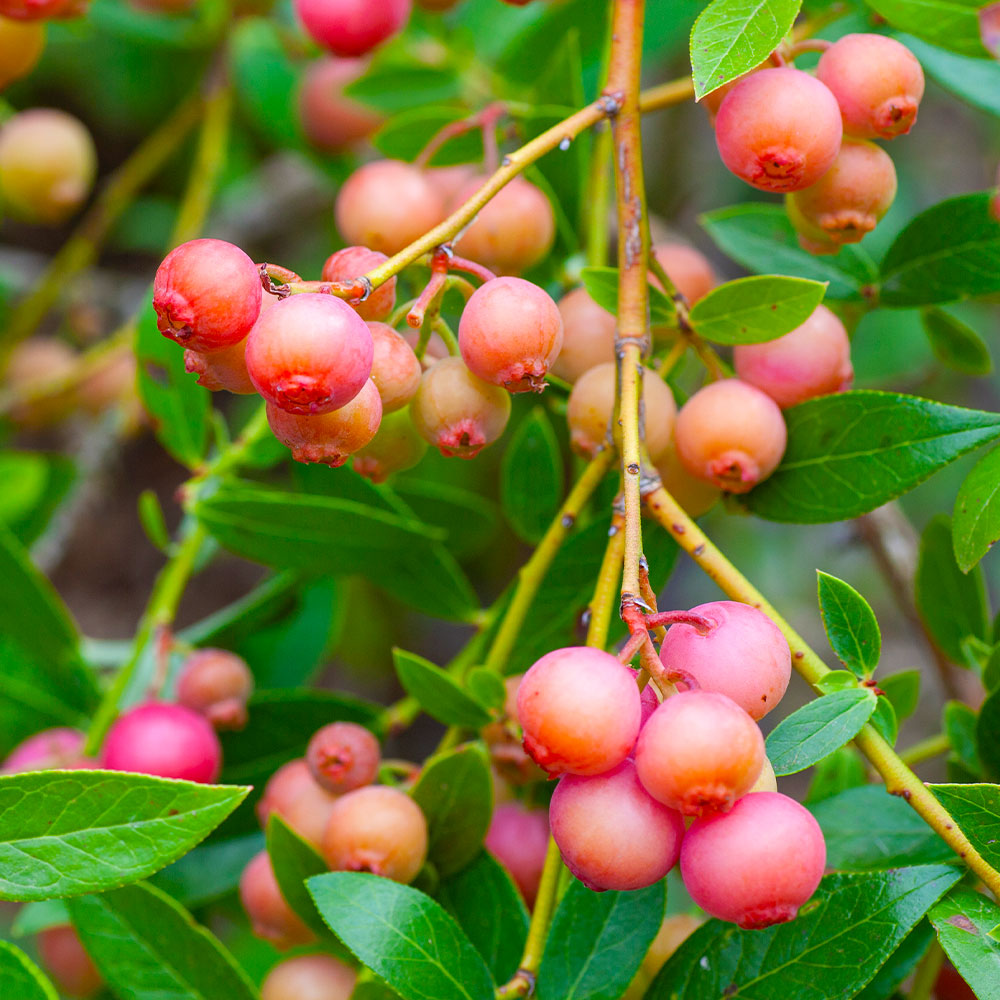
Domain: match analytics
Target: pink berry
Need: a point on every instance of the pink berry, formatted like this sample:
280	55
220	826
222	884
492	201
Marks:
21	45
309	354
343	756
588	335
331	121
712	101
51	748
395	369
510	333
292	793
580	711
519	839
743	656
448	181
217	684
309	977
649	702
353	262
779	129
270	915
41	10
877	83
757	864
63	957
396	447
730	434
689	269
352	27
207	295
813	360
225	369
611	832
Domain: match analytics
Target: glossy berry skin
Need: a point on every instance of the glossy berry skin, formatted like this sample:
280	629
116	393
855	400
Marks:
510	333
519	839
779	129
309	354
309	977
743	656
64	958
343	756
689	269
51	748
730	434
611	832
877	82
217	684
395	369
712	101
270	915
330	438
757	864
352	262
458	412
225	369
47	165
376	829
592	403
699	753
331	121
352	27
813	360
588	335
207	295
511	232
580	711
396	447
21	44
387	204
293	794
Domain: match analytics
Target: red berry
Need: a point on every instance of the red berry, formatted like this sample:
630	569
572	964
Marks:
757	864
293	794
353	262
270	915
225	369
949	985
309	977
510	333
611	832
207	295
743	656
331	121
309	354
167	740
396	447
41	10
457	412
712	101
588	335
395	369
689	269
343	756
216	684
877	82
778	129
63	957
813	360
21	45
580	710
51	748
376	829
519	839
352	27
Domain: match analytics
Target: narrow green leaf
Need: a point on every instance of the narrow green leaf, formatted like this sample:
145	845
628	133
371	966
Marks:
294	862
988	734
390	87
470	520
486	687
976	809
955	343
903	690
900	964
531	476
850	625
602	286
439	695
950	24
152	520
20	978
884	721
975	525
959	722
210	871
991	672
963	921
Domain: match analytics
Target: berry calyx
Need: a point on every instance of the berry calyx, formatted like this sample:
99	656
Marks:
309	977
395	369
331	121
343	756
396	447
519	838
293	794
352	262
588	335
352	27
64	958
217	684
270	915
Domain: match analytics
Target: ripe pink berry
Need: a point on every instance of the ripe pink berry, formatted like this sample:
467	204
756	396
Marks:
699	753
21	45
293	794
611	832
353	262
387	204
580	711
757	864
813	360
689	269
167	740
519	839
778	129
743	656
592	403
343	756
207	295
270	915
448	181
51	748
330	438
730	434
63	957
331	121
309	354
458	412
225	369
512	232
376	829
395	369
435	349
217	684
41	10
712	101
352	27
309	977
396	447
877	82
510	333
588	335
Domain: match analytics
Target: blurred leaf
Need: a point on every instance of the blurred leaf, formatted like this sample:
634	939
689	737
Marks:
903	690
470	520
486	687
850	625
294	861
602	286
405	134
955	343
975	525
34	917
33	487
152	520
210	871
391	88
531	476
988	734
959	722
843	769
991	672
20	978
900	964
950	24
963	921
198	27
976	809
732	37
125	826
438	693
975	80
884	721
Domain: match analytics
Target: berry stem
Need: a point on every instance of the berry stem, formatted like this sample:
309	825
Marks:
932	746
601	606
485	119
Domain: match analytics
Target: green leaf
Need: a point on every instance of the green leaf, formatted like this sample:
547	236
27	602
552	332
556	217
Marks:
974	80
903	690
469	519
955	343
959	723
850	625
963	921
531	476
34	485
63	833
146	945
760	237
20	978
900	964
952	604
294	861
39	916
947	253
852	452
152	520
602	286
484	900
597	941
210	871
403	936
951	24
391	88
455	792
439	695
988	734
975	524
976	809
884	721
858	918
841	770
756	309
405	134
486	687
991	672
732	37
